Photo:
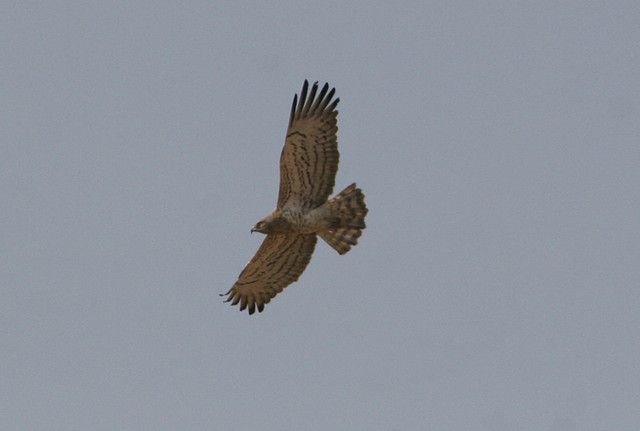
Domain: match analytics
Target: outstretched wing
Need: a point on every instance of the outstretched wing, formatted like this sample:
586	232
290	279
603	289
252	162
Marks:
309	159
278	262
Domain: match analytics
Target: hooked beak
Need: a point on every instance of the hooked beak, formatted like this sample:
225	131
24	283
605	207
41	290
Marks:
253	230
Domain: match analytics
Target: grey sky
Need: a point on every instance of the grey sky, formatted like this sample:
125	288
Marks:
495	288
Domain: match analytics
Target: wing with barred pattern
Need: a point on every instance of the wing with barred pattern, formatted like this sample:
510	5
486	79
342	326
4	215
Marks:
278	262
309	159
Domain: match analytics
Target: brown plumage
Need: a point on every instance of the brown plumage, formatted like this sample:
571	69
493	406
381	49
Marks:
308	166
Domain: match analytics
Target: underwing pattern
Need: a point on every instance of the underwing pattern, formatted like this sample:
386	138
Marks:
308	166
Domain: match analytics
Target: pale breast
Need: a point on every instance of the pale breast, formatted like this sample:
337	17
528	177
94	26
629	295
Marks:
303	221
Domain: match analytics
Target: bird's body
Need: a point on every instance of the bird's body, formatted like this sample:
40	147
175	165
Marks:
308	166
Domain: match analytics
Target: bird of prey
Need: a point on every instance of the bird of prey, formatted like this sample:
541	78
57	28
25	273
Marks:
308	166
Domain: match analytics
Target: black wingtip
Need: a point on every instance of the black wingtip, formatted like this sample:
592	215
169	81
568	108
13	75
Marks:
303	97
293	110
309	103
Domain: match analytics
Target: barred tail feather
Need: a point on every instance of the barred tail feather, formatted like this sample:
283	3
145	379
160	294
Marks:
341	239
349	210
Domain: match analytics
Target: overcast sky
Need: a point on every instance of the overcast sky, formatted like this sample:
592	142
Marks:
496	287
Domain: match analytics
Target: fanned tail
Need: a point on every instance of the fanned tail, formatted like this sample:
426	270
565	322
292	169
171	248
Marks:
349	210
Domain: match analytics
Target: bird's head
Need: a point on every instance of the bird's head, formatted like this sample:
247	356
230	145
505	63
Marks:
262	226
273	223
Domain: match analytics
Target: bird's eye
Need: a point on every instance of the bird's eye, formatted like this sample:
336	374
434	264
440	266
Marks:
260	224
